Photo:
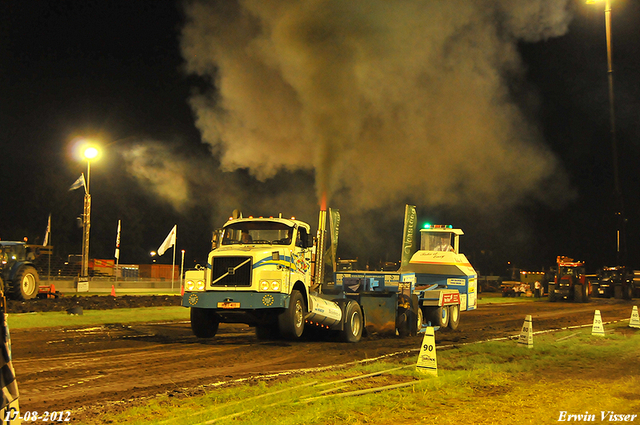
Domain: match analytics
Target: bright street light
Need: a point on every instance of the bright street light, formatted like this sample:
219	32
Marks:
620	234
90	153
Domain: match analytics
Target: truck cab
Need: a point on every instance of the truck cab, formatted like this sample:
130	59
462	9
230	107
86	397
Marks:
253	270
262	273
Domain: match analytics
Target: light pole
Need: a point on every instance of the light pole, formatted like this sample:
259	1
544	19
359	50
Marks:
620	233
90	153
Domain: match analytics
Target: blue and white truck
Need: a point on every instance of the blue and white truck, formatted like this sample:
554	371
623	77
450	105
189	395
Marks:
270	273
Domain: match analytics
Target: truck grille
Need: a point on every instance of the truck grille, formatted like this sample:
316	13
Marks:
231	271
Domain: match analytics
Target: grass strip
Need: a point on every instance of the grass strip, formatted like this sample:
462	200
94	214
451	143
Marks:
97	317
492	298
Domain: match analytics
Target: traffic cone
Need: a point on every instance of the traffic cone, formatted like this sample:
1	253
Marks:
113	291
427	361
634	322
598	327
526	334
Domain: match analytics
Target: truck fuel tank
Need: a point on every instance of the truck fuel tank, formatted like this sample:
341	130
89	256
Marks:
323	312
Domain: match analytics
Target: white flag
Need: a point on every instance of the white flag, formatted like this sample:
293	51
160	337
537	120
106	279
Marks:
79	183
169	241
47	233
117	255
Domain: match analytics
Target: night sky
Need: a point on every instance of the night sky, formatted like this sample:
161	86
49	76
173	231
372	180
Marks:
203	107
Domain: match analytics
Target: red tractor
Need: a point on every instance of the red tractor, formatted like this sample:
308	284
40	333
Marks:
570	281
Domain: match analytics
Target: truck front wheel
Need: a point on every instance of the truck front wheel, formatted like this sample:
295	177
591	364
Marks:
352	331
204	322
26	283
291	322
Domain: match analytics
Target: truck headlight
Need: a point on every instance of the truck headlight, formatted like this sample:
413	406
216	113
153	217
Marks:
270	285
189	285
194	285
275	285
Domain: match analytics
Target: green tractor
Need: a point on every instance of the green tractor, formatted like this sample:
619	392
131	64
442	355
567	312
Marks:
18	277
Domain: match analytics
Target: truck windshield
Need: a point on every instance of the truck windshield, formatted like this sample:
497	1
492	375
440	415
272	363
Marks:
566	271
436	242
257	232
570	271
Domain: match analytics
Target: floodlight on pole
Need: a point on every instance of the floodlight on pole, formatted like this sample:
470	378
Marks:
89	153
620	233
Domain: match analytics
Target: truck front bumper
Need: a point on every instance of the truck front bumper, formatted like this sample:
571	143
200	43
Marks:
235	300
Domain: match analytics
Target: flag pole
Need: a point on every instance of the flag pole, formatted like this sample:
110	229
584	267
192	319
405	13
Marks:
182	271
117	253
170	242
49	244
173	268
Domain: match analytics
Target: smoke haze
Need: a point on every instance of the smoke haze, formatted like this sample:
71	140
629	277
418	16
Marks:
376	103
383	101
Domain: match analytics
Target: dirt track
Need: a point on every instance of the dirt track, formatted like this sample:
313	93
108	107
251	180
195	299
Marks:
82	369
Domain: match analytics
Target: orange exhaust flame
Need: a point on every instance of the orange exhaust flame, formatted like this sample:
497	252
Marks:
323	202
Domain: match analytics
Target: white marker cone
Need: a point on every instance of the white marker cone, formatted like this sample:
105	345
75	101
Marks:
598	328
427	362
634	322
526	334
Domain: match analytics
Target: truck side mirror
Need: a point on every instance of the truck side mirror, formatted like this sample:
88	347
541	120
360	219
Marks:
215	238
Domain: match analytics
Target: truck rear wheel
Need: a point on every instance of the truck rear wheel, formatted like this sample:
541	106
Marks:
578	293
585	292
404	316
440	317
352	331
454	317
617	291
291	322
419	320
204	322
552	293
26	283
